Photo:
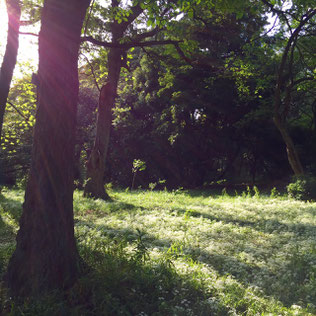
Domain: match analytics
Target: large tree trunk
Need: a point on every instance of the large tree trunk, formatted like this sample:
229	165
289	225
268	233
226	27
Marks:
46	256
96	164
11	52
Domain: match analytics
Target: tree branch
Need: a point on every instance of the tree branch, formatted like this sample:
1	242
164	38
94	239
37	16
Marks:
267	32
150	43
298	81
28	33
92	71
27	23
129	44
136	11
151	33
99	43
280	13
302	59
88	18
290	45
19	112
181	54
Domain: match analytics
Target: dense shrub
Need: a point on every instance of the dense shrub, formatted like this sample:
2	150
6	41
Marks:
303	188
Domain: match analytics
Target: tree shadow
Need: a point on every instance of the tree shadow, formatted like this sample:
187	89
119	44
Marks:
295	266
112	275
114	206
271	226
120	283
118	206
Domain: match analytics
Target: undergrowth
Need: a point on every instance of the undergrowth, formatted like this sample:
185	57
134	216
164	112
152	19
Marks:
181	253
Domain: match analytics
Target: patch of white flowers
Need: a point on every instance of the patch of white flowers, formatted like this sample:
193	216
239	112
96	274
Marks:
257	252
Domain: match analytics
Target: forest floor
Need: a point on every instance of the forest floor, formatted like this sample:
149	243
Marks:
181	253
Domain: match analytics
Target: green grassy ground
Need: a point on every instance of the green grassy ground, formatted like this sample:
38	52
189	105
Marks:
182	253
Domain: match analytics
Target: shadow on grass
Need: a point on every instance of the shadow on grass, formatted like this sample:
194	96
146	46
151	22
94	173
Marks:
119	283
264	225
295	270
93	208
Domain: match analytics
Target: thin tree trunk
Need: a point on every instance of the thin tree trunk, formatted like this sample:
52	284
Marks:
96	164
282	105
46	256
281	108
292	154
10	56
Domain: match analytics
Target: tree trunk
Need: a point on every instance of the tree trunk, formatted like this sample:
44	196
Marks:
285	84
292	154
46	256
96	164
10	56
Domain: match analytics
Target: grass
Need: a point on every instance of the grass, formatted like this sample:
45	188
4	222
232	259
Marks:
181	253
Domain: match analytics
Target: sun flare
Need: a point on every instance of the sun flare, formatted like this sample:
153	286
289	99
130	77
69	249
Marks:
3	26
28	49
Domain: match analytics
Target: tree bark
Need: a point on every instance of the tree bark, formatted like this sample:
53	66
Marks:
46	256
10	56
282	105
281	108
292	154
96	164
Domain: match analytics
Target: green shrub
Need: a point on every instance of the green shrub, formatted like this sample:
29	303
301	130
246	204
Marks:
274	192
303	188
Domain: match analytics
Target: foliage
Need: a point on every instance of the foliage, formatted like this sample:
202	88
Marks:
181	253
195	117
192	120
274	192
196	127
18	125
303	188
138	165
